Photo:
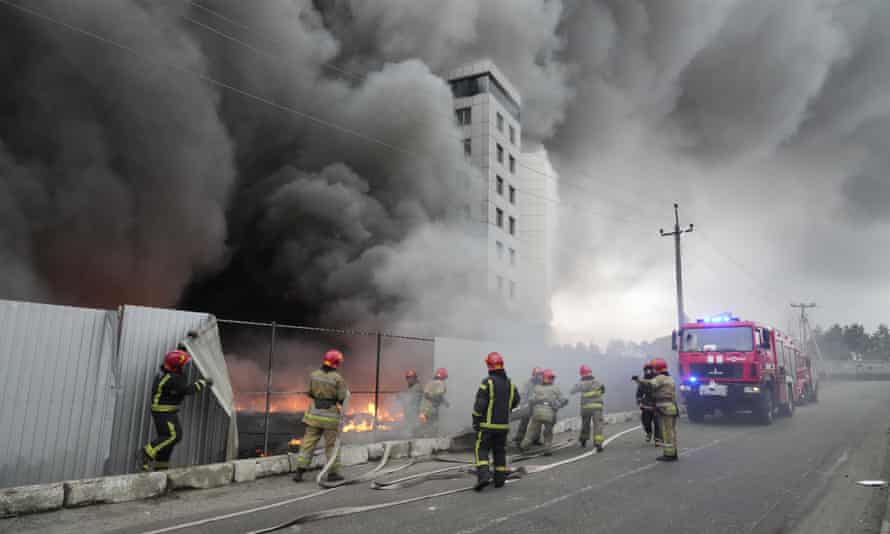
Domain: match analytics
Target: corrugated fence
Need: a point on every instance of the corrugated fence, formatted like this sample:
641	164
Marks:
75	391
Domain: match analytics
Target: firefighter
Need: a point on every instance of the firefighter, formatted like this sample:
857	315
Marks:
328	391
664	390
433	398
546	400
646	402
410	400
591	407
527	394
495	399
169	389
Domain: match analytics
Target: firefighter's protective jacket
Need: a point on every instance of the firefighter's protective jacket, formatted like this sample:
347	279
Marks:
328	390
495	399
546	400
433	398
169	389
591	394
664	390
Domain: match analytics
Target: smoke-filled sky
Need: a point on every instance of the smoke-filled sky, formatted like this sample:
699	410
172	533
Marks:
160	153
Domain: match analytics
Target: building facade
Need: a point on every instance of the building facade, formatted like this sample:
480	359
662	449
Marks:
488	111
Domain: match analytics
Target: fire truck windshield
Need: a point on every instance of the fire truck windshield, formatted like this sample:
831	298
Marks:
727	338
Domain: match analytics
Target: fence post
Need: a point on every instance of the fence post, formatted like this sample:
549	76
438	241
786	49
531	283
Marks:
268	393
377	384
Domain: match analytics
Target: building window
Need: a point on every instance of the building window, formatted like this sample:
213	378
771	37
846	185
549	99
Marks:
500	248
499	185
500	122
512	195
500	154
500	282
512	225
513	257
468	147
512	135
464	116
512	290
499	217
512	164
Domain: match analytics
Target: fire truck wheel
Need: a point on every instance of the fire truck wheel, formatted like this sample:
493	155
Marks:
765	409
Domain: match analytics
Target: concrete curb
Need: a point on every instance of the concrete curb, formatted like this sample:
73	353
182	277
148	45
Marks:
115	489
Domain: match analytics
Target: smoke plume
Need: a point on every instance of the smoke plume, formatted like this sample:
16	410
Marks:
297	161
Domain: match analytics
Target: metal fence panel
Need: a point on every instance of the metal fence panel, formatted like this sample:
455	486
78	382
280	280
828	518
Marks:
146	335
56	391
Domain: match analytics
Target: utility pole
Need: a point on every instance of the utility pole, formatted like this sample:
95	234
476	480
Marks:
681	314
804	321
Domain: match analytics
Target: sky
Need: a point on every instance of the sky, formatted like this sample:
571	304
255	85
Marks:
296	160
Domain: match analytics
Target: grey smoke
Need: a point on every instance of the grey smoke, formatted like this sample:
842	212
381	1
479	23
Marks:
123	181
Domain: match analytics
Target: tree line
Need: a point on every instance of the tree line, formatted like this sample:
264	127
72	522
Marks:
842	342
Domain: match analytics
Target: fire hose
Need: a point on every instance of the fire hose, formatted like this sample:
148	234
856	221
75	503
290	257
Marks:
451	472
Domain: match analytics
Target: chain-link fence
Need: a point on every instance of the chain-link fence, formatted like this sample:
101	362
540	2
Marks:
270	364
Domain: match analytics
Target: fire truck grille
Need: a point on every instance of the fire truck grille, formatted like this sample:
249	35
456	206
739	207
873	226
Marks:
716	370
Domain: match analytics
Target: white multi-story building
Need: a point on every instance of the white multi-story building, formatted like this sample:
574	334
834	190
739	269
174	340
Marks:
538	217
487	108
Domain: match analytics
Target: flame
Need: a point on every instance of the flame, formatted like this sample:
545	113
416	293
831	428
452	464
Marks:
359	417
295	442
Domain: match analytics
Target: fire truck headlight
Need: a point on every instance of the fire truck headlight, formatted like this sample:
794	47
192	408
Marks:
752	389
685	387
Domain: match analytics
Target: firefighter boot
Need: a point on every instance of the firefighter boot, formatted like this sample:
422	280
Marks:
335	477
500	478
298	476
483	478
649	438
583	443
667	458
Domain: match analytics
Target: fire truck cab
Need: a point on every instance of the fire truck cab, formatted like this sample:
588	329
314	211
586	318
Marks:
732	365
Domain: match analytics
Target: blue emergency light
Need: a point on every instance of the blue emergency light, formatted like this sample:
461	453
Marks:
693	379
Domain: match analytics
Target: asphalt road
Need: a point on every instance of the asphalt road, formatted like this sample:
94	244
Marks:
796	476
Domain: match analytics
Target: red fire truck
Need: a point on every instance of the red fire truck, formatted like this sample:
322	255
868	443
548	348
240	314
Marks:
733	366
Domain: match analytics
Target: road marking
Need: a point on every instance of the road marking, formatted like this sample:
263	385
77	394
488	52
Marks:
585	489
237	514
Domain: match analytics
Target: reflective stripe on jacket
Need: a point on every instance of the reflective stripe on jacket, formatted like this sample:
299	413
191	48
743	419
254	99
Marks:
495	399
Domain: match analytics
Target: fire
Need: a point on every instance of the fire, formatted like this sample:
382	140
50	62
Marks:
362	419
295	442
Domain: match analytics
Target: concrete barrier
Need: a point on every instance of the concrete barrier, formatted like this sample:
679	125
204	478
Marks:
114	489
200	476
31	499
272	465
244	470
354	455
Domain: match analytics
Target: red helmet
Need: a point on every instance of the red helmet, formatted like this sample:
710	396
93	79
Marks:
410	373
660	365
548	375
441	373
537	371
585	371
333	358
175	360
494	360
